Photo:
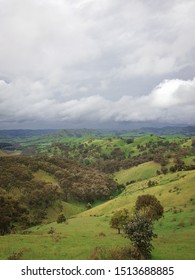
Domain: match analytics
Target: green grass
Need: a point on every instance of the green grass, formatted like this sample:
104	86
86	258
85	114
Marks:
173	190
73	208
84	231
189	160
67	208
107	143
75	240
176	236
176	231
137	173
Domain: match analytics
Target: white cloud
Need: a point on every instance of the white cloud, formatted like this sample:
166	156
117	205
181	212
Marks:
172	93
77	60
40	38
172	101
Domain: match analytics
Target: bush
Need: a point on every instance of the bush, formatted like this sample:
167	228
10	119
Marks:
124	253
151	183
88	206
61	219
17	255
130	141
51	230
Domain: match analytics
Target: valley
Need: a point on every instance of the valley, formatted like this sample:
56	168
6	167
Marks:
87	176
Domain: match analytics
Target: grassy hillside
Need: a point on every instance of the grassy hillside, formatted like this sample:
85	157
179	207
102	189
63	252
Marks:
176	230
90	229
75	240
173	190
138	173
67	174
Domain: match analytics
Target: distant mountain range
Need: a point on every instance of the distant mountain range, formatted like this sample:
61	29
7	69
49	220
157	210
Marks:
188	130
20	133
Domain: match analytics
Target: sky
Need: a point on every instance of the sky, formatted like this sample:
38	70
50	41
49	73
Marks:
96	63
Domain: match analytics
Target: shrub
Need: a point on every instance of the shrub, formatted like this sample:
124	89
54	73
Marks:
61	218
88	206
17	255
151	183
124	253
51	230
130	141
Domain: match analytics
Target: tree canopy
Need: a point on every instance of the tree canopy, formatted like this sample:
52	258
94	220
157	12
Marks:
119	219
149	206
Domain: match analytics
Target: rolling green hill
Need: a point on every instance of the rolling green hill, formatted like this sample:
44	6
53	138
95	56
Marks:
141	172
91	228
67	171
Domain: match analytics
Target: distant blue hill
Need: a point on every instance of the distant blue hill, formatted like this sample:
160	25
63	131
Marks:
169	130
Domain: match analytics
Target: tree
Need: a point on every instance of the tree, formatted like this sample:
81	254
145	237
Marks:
11	212
140	227
149	206
140	231
61	218
130	141
119	219
164	170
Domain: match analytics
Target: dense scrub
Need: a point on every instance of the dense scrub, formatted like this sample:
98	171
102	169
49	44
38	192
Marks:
73	182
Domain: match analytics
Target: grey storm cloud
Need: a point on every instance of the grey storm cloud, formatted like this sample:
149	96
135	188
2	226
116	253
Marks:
83	60
171	101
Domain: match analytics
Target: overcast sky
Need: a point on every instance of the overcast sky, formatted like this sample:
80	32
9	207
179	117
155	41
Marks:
94	63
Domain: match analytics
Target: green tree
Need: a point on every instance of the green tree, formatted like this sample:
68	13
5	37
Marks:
119	219
11	212
140	231
193	142
149	206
